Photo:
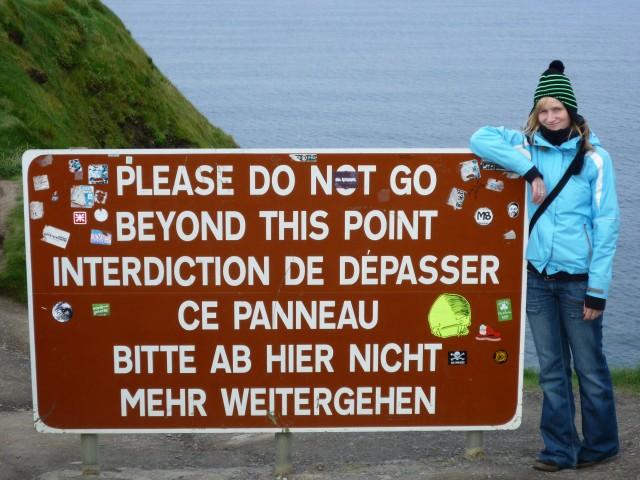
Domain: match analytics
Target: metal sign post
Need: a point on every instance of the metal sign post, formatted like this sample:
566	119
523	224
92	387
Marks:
474	444
89	447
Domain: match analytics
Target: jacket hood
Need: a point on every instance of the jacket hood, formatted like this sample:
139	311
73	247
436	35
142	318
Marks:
595	141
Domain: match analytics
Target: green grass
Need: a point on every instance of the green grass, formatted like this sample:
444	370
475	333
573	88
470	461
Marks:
13	277
71	75
626	379
531	378
10	163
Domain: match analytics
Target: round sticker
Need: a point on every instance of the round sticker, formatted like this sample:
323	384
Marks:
484	216
513	209
101	214
500	356
345	180
62	312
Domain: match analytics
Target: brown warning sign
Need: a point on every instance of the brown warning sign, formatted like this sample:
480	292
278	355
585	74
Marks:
209	290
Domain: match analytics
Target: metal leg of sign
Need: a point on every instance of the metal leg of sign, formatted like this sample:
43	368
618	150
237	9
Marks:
474	444
284	464
89	445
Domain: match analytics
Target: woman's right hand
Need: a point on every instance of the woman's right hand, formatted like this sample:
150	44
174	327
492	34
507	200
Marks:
538	191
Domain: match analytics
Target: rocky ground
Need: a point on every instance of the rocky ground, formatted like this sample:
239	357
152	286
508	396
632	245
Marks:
26	454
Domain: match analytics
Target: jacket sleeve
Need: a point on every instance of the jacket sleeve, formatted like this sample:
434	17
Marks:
605	215
506	148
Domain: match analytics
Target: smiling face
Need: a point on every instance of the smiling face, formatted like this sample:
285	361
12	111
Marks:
552	114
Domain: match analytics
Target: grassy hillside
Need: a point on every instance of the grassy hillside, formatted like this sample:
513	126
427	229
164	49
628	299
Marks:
71	75
13	274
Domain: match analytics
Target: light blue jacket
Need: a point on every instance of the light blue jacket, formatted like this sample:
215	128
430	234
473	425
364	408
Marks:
579	230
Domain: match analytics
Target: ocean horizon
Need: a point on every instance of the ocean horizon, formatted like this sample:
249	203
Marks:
408	74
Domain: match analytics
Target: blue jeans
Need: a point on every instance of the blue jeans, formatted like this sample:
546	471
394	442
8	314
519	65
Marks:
554	311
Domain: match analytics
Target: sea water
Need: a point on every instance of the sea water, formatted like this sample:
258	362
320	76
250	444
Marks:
409	73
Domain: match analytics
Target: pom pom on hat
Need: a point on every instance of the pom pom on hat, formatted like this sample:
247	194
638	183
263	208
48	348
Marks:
554	83
557	65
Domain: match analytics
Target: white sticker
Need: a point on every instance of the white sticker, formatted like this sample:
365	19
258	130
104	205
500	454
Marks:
82	196
99	174
40	182
62	312
45	161
513	210
36	210
484	216
100	237
55	236
80	218
511	175
75	165
456	198
494	185
304	157
510	235
469	170
101	214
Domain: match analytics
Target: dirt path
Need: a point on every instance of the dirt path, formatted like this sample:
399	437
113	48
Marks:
14	329
319	456
9	191
26	454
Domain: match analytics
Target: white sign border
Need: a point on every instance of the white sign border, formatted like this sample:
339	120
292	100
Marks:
41	426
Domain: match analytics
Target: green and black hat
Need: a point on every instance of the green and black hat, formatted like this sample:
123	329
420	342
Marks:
554	83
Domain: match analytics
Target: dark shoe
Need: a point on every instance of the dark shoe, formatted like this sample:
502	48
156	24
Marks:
591	463
546	466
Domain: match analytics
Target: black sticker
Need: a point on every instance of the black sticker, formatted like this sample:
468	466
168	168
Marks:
484	165
347	179
459	357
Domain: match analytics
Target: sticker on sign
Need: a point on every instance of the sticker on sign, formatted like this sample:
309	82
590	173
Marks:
55	236
238	290
484	216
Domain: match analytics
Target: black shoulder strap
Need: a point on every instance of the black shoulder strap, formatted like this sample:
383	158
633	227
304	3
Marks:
574	169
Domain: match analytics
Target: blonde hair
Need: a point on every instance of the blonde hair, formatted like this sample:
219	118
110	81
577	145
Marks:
533	124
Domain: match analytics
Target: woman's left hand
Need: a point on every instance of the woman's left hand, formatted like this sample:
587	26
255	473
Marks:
590	313
538	190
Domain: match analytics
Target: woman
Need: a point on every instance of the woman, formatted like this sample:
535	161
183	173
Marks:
569	260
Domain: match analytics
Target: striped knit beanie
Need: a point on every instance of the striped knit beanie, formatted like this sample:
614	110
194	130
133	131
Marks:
553	83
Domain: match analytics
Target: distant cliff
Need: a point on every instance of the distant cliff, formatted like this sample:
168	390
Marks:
72	75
